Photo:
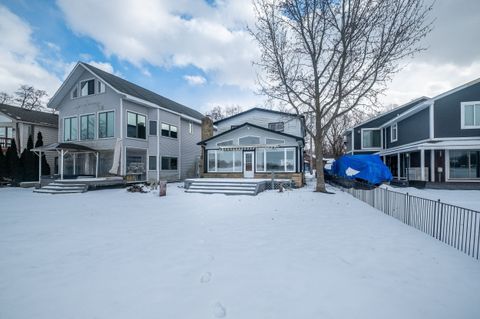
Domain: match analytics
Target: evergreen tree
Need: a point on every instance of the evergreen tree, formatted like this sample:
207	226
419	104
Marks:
12	161
3	164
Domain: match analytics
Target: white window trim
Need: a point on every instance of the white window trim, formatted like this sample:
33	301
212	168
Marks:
63	128
169	156
462	115
126	125
169	129
98	121
259	139
396	133
216	162
371	148
190	127
284	159
80	127
80	87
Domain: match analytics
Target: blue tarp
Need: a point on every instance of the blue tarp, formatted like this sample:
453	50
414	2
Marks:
369	168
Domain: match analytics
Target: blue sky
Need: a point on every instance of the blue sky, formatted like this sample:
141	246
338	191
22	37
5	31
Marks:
59	43
196	52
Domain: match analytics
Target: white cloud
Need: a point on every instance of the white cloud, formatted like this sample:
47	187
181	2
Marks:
195	79
172	33
19	57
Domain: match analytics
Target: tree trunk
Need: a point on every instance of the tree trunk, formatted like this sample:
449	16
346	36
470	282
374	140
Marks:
320	187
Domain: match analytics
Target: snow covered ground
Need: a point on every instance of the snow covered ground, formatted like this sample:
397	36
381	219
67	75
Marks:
298	254
463	198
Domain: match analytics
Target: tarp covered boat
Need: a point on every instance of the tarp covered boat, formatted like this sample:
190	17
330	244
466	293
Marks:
364	168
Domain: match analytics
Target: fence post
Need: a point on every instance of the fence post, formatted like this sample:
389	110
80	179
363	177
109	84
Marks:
407	207
440	205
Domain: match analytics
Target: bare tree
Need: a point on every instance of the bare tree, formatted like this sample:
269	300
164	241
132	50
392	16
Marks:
218	112
324	58
5	98
28	97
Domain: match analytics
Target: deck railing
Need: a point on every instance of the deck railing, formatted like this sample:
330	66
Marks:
456	226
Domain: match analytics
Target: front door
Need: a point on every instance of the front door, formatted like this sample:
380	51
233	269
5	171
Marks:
248	160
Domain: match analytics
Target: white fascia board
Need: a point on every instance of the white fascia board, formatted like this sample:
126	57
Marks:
150	104
408	113
49	103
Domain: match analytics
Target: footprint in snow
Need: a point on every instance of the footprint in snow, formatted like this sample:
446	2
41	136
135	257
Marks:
219	310
206	277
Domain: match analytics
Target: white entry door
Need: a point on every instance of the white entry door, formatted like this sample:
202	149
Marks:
248	163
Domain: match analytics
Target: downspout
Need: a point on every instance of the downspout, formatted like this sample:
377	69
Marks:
158	144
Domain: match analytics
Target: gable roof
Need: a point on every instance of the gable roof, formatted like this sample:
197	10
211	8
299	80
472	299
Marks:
380	119
258	109
252	125
23	115
134	90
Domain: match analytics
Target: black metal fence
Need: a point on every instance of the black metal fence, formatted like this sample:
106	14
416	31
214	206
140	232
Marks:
456	226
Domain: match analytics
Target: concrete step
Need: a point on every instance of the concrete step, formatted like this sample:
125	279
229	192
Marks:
57	191
224	184
223	187
67	185
221	191
71	188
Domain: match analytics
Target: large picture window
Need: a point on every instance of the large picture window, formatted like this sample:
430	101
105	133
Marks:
70	129
106	124
464	164
136	125
87	127
7	134
371	138
470	115
276	160
224	161
276	126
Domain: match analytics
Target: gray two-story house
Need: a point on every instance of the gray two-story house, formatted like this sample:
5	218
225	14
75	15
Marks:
433	140
110	126
255	144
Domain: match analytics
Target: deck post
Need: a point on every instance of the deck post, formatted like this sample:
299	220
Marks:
96	165
39	167
61	164
398	166
74	163
422	164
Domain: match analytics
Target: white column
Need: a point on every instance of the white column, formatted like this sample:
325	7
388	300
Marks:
398	166
74	163
384	159
432	165
61	164
40	166
96	165
422	164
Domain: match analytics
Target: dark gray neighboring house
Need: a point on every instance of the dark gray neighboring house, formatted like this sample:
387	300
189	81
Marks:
429	139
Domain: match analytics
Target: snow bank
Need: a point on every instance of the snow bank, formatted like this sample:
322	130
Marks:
297	254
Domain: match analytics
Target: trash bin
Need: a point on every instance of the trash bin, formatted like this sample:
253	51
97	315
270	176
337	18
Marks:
162	185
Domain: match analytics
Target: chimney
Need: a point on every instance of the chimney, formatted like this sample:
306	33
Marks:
207	128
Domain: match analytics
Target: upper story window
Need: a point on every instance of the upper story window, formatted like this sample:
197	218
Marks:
136	125
394	133
70	129
249	140
87	127
87	87
6	136
106	124
169	130
276	126
371	138
470	116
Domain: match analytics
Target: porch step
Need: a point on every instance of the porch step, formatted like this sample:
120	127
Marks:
62	188
220	187
221	191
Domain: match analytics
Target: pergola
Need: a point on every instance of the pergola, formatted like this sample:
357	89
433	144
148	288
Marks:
63	149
